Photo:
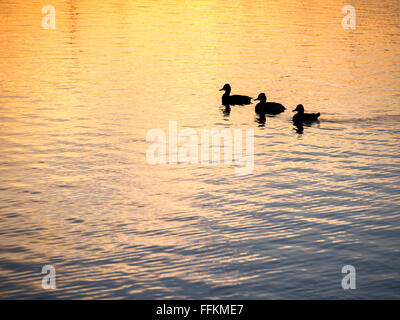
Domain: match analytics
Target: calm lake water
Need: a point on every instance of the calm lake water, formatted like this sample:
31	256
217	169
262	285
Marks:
76	190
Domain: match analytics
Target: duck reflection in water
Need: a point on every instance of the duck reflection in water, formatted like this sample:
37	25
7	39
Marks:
299	126
226	111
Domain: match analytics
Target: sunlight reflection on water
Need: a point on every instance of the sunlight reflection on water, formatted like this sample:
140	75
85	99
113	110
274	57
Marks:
76	190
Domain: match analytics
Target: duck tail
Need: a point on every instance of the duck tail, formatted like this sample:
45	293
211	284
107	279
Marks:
318	114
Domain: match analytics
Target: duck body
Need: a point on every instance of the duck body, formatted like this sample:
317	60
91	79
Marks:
301	117
264	107
236	99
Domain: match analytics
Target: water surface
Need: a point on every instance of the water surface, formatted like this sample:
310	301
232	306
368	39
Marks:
77	192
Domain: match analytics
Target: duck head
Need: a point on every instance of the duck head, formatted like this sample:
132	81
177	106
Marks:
261	97
226	88
299	109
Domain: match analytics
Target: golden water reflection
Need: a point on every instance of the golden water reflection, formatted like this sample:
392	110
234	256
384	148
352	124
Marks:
76	190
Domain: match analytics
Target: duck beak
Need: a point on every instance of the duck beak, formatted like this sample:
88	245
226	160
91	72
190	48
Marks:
256	99
221	89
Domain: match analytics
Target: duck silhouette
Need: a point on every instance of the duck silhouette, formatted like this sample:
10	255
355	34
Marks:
301	117
264	107
227	99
